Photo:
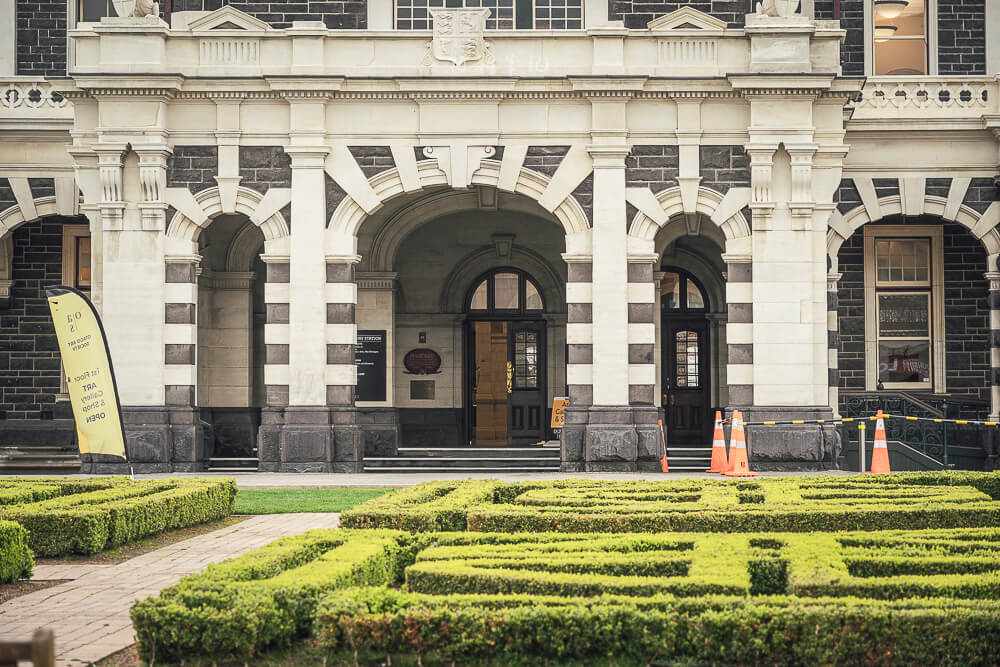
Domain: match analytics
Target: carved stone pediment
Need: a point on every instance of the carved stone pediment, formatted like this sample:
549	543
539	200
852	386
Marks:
686	18
459	36
227	18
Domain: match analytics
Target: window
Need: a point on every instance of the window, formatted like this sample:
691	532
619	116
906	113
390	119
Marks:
525	359
904	307
91	11
680	292
686	368
506	291
76	257
504	14
899	37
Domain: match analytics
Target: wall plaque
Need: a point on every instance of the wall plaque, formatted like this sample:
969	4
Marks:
422	361
370	357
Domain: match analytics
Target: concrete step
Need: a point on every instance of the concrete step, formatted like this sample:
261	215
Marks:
454	463
232	464
537	451
511	469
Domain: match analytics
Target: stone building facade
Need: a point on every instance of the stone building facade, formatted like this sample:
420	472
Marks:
320	231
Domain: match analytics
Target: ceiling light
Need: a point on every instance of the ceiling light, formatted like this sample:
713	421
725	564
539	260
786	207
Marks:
890	9
884	32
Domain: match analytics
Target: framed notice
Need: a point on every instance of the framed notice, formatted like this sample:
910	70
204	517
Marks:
370	358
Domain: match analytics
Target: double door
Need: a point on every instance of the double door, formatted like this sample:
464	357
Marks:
506	379
686	397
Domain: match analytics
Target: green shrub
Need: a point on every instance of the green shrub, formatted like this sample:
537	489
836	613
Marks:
102	514
899	501
16	561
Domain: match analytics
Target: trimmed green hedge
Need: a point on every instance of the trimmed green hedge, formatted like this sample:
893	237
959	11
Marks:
898	501
16	561
714	597
89	516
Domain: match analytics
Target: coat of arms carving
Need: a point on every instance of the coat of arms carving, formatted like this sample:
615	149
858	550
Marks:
458	36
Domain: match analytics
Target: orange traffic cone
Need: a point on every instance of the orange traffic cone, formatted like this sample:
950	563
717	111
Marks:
880	452
663	438
740	465
719	462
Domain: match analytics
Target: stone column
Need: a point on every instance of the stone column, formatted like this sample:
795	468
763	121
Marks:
276	351
992	443
180	331
579	359
833	339
341	372
739	330
643	312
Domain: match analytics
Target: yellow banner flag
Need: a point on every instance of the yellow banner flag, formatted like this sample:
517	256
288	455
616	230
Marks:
89	375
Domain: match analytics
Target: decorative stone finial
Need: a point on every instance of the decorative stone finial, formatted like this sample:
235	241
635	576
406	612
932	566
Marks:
780	8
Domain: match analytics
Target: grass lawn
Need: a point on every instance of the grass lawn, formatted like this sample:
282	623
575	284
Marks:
282	501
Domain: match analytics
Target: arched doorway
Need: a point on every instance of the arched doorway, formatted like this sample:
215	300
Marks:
505	359
685	368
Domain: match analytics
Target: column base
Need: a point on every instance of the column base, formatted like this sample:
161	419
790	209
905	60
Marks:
380	431
792	447
310	439
158	439
610	439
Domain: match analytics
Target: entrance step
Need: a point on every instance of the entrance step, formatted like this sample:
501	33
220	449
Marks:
467	459
39	460
232	465
535	451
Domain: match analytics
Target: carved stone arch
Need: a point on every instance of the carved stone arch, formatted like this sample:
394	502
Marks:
182	227
347	218
246	245
12	218
842	226
435	204
723	211
466	270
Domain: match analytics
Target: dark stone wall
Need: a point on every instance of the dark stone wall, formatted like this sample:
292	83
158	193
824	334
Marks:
193	167
724	167
431	427
846	196
29	353
584	194
966	311
6	195
41	38
264	167
349	15
545	159
373	159
961	36
637	13
981	193
652	166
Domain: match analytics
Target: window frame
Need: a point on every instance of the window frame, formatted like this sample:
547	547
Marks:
491	311
931	37
684	277
514	18
935	287
70	235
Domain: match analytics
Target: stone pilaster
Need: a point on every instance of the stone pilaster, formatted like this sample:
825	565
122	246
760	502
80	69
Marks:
341	371
833	339
739	330
579	359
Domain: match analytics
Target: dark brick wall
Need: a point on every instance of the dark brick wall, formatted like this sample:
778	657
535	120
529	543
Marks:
263	167
334	195
961	36
981	193
193	167
852	19
349	15
41	37
373	159
29	357
966	310
846	197
724	167
6	195
545	159
652	166
637	13
584	194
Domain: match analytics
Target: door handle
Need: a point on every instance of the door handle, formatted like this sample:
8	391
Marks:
510	378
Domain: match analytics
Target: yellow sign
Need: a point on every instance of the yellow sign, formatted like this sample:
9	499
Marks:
559	404
89	375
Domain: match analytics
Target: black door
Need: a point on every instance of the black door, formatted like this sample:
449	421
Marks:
526	381
686	398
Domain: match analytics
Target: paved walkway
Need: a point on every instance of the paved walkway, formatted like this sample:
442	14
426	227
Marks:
90	613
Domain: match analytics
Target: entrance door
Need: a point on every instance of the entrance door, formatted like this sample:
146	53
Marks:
526	402
489	383
685	359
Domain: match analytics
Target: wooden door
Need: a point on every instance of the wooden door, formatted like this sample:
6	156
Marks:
686	397
489	383
526	403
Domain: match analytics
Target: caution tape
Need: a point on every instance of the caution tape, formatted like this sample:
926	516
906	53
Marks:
851	420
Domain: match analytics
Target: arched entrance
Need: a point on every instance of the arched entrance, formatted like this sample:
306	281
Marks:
505	359
686	363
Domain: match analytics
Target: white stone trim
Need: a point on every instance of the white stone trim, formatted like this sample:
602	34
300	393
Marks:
579	333
276	334
341	334
992	37
579	374
579	293
341	292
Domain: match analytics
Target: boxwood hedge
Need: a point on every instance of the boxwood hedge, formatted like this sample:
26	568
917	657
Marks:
899	501
855	596
16	561
65	516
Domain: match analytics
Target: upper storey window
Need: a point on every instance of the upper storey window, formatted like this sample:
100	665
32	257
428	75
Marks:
504	14
91	11
900	37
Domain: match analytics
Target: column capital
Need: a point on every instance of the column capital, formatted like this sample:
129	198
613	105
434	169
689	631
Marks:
607	156
994	278
732	258
343	259
832	279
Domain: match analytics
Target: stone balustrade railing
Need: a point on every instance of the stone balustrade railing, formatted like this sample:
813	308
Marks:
31	97
927	97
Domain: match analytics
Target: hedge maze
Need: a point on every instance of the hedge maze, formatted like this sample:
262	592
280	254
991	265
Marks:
873	570
65	516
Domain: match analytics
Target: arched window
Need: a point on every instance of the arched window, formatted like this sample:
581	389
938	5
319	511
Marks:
680	292
505	291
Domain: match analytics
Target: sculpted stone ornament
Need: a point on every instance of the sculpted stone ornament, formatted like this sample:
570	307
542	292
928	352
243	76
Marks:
779	8
136	8
458	36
